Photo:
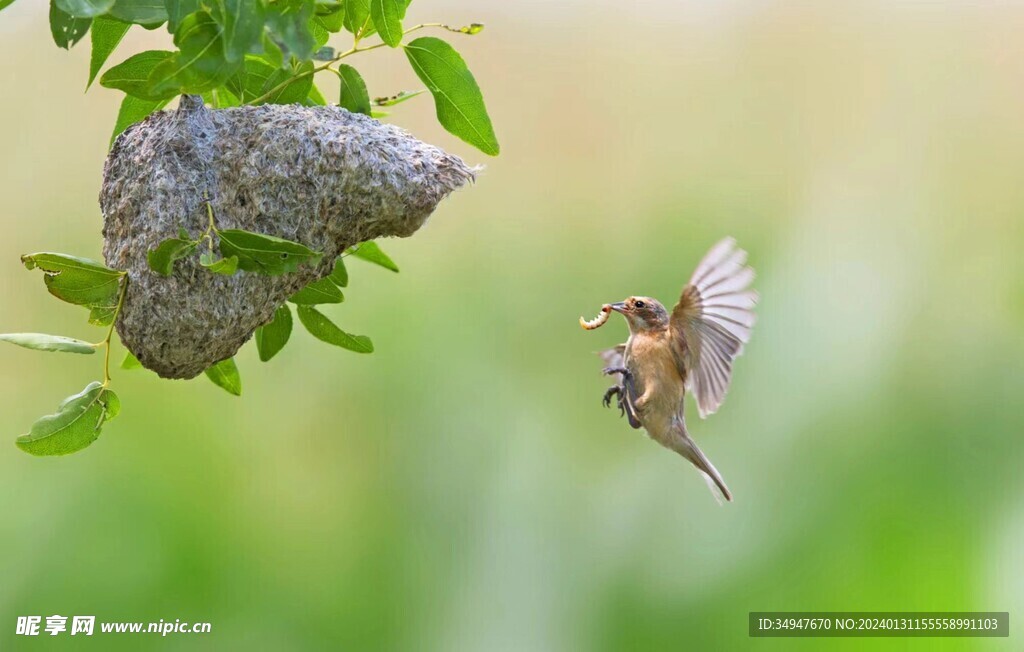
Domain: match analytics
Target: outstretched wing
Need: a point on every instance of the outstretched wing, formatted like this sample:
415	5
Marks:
712	322
615	357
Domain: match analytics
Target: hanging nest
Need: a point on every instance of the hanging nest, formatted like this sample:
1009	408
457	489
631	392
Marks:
319	175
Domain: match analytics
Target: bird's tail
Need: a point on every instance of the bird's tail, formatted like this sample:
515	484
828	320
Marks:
682	444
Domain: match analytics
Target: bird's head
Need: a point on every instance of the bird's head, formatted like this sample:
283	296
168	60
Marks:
642	314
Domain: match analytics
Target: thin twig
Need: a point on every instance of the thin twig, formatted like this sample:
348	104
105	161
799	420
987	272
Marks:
347	53
110	333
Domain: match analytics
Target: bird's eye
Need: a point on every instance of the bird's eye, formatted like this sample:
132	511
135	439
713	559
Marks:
640	304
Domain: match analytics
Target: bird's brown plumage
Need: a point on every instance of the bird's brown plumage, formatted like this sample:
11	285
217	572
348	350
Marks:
692	348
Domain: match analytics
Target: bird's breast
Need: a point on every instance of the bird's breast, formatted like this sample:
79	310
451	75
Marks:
650	360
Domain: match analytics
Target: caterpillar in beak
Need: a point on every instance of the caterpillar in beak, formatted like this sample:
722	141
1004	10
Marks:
598	321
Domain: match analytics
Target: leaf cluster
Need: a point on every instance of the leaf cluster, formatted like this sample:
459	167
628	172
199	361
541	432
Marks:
235	52
238	251
101	290
87	283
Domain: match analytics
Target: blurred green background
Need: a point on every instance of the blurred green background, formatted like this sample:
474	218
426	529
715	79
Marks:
462	488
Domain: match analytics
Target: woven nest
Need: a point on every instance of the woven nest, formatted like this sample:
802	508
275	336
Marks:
318	175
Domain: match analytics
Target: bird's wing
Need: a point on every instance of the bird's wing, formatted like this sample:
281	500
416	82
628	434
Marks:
712	322
615	357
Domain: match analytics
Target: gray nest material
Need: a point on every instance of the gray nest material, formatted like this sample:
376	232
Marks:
317	175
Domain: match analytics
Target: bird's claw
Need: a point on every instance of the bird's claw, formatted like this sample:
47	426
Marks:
620	393
612	391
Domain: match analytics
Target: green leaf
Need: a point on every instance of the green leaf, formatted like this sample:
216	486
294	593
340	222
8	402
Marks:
76	280
134	109
140	12
353	90
317	292
320	35
200	64
289	21
258	78
371	251
249	82
272	53
357	16
85	8
265	254
102	315
243	26
340	274
53	262
225	375
297	90
74	426
225	266
130	361
220	98
177	10
65	28
132	75
271	338
5	3
42	342
161	259
459	103
333	21
107	33
387	17
326	7
315	97
398	98
324	330
113	404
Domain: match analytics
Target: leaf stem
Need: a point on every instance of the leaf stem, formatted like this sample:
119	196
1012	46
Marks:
469	30
347	53
424	26
358	36
211	228
110	332
273	91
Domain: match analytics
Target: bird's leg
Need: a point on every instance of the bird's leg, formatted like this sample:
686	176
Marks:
622	401
609	371
619	389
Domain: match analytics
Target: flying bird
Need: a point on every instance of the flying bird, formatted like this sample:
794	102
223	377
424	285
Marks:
690	349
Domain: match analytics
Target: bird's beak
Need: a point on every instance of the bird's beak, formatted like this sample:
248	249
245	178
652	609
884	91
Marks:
618	307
